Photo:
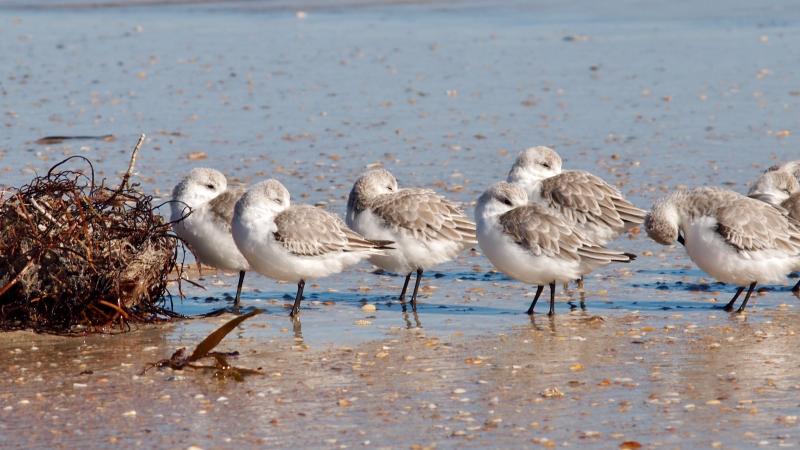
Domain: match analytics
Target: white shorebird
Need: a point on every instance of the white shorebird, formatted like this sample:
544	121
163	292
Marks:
427	228
534	244
774	186
205	196
733	238
295	243
598	210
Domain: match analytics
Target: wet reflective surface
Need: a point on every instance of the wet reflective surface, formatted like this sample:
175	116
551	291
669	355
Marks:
648	98
578	379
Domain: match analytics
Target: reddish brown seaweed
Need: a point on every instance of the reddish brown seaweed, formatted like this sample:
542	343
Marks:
76	253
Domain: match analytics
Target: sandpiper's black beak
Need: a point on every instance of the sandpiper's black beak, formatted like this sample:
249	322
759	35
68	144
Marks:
681	240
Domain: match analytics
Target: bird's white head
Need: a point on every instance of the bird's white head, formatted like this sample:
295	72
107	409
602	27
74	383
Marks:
663	221
369	185
500	198
534	165
373	183
774	187
199	187
268	197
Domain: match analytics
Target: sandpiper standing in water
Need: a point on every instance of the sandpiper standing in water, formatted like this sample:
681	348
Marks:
427	228
598	210
534	244
735	239
295	243
201	211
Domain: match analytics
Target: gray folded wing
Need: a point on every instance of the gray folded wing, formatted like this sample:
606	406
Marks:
543	233
585	198
309	231
750	225
221	206
425	214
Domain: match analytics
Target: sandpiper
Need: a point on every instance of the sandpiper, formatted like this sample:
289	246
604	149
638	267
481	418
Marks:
201	212
733	238
427	228
598	210
295	243
535	244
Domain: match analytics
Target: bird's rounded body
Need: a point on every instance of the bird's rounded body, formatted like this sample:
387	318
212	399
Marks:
254	233
411	252
210	243
706	248
294	243
532	243
201	212
426	228
733	238
519	263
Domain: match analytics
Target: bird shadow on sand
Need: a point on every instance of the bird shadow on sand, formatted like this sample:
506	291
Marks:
460	275
722	288
681	286
673	272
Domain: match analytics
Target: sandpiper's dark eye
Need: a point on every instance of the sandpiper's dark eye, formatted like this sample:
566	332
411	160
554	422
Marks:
506	201
389	188
546	165
278	200
210	186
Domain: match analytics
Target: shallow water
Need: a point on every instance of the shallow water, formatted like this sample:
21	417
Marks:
649	98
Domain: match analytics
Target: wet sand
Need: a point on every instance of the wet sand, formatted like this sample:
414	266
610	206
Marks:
577	380
650	98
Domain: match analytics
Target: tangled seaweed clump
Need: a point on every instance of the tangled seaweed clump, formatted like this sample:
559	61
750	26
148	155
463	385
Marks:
78	255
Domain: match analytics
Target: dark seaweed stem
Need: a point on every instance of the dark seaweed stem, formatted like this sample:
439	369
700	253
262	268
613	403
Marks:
76	253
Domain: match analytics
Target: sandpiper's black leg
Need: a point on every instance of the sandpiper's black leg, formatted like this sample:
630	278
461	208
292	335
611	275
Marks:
747	297
552	299
238	290
535	299
416	288
405	287
729	306
402	297
296	308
